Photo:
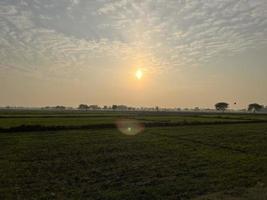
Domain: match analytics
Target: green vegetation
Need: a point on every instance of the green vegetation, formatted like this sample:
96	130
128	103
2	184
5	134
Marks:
211	161
77	119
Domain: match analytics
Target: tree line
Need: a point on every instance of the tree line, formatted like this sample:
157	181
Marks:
220	106
253	107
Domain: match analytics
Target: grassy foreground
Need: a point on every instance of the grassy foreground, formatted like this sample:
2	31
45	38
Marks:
223	161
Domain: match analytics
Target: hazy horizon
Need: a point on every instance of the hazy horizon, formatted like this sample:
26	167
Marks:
191	53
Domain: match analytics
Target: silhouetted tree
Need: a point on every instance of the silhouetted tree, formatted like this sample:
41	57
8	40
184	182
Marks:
254	107
122	107
60	107
94	107
221	106
196	109
114	107
83	107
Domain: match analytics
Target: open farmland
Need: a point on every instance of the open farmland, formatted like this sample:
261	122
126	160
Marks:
76	155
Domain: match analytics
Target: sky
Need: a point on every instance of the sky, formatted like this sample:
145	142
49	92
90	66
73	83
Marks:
193	53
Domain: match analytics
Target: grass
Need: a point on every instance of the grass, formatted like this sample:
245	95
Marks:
222	161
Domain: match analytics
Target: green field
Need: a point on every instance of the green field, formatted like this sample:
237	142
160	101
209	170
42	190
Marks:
193	156
78	119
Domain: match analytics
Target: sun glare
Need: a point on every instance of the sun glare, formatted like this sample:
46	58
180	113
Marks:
139	74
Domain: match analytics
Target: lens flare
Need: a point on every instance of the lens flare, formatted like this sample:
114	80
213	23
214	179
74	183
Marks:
129	126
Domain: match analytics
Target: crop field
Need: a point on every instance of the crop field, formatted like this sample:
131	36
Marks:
86	155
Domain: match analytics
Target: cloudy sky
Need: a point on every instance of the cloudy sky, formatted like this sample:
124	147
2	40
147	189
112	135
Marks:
192	52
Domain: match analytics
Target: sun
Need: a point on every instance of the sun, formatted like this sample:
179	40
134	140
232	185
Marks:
139	74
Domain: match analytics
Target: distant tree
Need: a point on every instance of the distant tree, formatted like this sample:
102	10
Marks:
122	107
221	106
114	107
60	107
196	109
105	107
254	107
94	107
83	107
130	108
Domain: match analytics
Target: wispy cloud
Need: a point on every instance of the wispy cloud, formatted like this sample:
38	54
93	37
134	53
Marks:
70	35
